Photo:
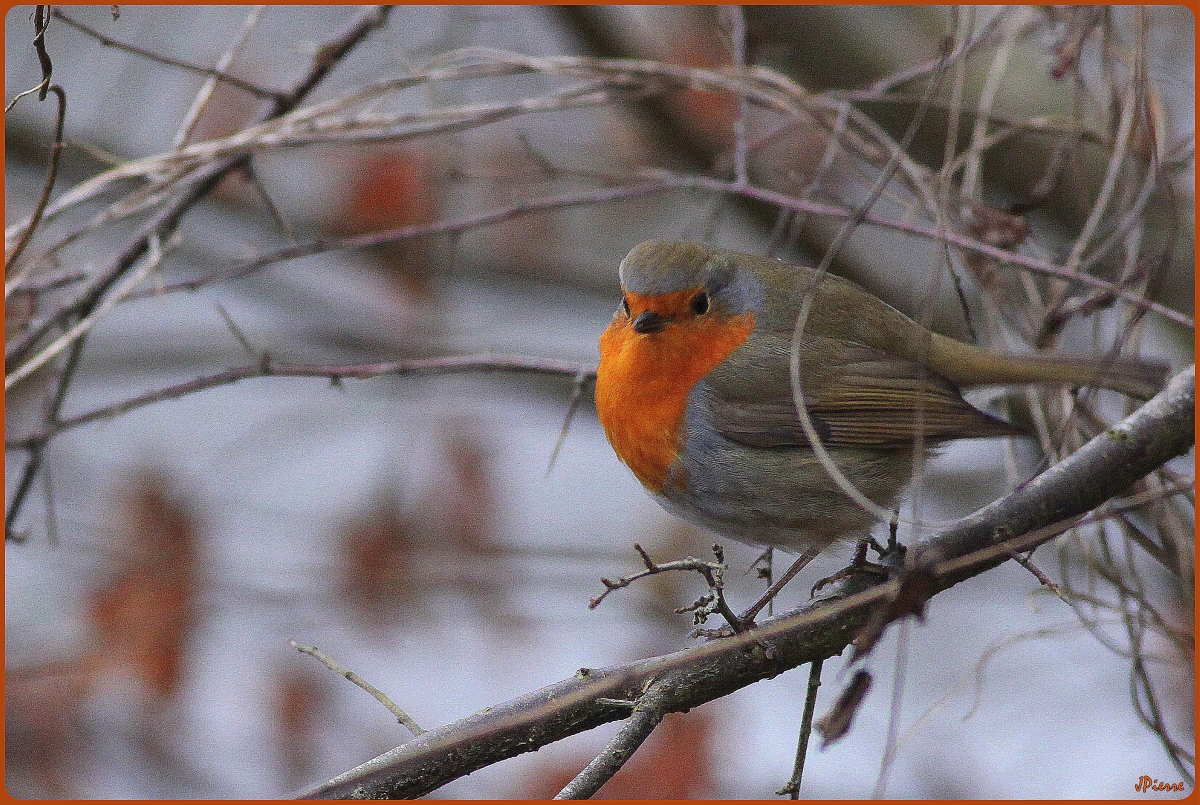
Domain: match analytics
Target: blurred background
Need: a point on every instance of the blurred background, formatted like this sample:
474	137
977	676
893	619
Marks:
413	527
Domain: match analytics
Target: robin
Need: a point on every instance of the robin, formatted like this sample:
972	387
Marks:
694	392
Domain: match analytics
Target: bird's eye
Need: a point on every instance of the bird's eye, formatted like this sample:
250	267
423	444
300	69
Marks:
700	304
625	306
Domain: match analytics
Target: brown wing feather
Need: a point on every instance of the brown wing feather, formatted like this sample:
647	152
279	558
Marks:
876	403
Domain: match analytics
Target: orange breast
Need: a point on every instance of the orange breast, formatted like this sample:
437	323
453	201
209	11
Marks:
644	380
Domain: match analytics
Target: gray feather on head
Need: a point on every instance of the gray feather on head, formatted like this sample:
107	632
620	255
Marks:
665	266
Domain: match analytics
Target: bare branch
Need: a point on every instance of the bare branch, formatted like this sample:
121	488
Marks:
158	229
712	601
792	789
581	380
1042	578
199	184
215	73
205	94
154	257
335	666
737	32
647	714
48	282
444	227
666	182
767	597
40	24
37	450
47	188
1160	430
335	373
1004	257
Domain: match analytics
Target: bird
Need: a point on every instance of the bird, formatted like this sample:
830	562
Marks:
695	395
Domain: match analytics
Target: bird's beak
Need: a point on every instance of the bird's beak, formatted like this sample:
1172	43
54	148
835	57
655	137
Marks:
650	322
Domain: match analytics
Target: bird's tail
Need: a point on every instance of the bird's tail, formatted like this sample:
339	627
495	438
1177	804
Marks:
1133	376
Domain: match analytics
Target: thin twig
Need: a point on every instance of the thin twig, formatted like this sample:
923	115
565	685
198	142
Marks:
760	86
205	94
859	215
581	380
891	745
159	228
320	124
1042	578
48	282
792	789
47	188
8	107
883	86
1009	259
335	666
37	449
335	373
647	714
40	24
987	98
1115	163
277	216
153	193
713	601
201	181
217	74
51	510
833	146
238	335
154	257
606	79
737	17
664	183
945	183
444	227
767	597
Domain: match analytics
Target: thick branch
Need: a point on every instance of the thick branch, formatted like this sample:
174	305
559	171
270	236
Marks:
1159	431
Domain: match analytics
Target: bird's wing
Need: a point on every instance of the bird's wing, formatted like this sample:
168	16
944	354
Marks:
878	400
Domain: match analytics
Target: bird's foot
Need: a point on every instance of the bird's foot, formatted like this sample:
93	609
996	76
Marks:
891	558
